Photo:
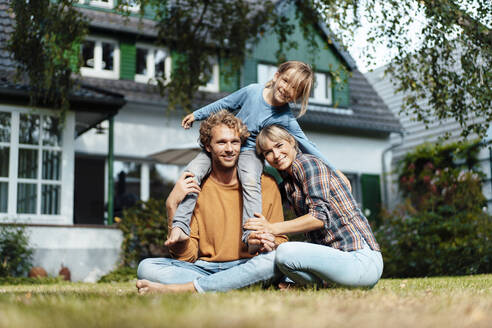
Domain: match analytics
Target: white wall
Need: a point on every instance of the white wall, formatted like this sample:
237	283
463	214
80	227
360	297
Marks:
351	153
139	132
88	253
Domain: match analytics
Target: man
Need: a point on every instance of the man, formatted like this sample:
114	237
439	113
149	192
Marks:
220	260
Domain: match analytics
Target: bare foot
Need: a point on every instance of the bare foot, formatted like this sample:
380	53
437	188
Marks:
177	235
149	287
283	286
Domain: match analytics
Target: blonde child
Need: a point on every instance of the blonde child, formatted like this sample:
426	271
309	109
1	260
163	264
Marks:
259	106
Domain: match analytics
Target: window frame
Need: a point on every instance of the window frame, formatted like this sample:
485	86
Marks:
269	67
65	215
102	4
97	70
328	89
150	62
214	85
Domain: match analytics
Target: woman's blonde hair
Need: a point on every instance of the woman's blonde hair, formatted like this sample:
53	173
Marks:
302	80
273	133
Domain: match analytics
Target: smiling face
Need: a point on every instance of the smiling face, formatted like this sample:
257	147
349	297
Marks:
283	88
224	147
280	153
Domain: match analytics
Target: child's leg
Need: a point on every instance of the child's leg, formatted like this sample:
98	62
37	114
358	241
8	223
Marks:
250	168
200	167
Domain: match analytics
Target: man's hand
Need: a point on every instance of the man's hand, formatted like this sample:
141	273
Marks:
258	223
187	121
175	236
261	242
186	184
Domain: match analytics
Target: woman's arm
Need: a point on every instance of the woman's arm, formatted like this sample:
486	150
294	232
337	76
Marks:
303	223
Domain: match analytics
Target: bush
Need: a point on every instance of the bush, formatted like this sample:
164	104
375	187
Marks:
122	274
442	228
15	254
144	229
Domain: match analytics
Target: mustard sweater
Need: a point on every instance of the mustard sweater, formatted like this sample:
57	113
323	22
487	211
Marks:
216	222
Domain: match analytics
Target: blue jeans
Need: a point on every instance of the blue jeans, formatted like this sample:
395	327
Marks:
249	172
210	276
307	263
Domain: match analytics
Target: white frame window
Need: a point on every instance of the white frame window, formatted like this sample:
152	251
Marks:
322	93
101	3
45	176
97	69
265	72
132	6
152	53
213	83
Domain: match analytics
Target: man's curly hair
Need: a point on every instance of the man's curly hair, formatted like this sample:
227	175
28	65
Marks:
222	117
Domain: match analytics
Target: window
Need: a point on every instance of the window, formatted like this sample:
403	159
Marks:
132	5
321	93
30	164
213	83
101	58
152	63
266	73
102	3
5	119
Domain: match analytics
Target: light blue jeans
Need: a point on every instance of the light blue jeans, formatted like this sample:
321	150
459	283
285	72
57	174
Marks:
210	276
307	263
249	172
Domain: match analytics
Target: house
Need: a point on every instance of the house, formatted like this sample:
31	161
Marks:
346	119
416	134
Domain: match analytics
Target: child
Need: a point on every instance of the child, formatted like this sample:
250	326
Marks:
258	106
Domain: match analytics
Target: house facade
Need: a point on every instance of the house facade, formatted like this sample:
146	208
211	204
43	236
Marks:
346	119
416	133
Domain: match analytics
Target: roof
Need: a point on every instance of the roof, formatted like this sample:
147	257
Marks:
92	105
367	111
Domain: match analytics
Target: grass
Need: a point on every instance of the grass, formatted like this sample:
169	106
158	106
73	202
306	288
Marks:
426	302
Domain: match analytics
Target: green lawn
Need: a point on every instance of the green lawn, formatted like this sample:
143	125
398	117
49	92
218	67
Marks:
428	302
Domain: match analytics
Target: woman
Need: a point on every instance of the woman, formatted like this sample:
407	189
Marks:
341	248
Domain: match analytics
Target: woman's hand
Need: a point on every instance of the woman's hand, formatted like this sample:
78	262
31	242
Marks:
259	223
261	242
187	121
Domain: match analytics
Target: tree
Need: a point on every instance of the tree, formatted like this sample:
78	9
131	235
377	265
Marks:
442	54
45	45
449	68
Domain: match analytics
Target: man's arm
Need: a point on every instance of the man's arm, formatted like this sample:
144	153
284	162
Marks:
186	250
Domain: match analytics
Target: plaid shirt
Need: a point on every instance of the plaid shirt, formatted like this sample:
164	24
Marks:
315	189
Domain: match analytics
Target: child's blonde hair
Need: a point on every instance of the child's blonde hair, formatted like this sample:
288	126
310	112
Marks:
302	78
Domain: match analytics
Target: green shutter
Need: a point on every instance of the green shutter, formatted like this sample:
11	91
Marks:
128	58
371	196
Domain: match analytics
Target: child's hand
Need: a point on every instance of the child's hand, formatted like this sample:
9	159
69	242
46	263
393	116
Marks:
187	121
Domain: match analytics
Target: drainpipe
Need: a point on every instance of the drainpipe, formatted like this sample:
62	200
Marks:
110	170
383	162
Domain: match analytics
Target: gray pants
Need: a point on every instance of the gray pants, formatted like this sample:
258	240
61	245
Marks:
250	168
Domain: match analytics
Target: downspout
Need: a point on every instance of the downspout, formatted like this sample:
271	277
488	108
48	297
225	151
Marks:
110	170
383	162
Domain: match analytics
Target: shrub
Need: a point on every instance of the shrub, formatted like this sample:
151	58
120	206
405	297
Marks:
15	254
121	274
144	229
441	229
